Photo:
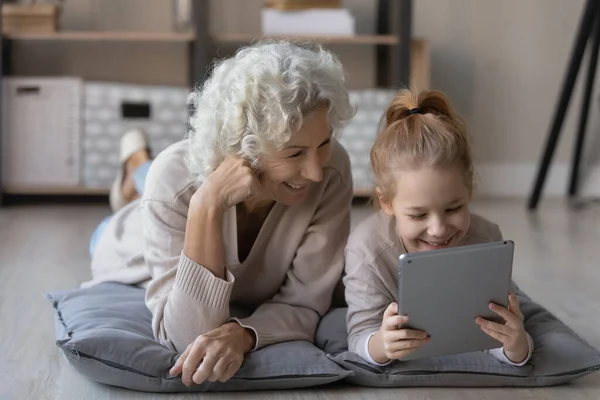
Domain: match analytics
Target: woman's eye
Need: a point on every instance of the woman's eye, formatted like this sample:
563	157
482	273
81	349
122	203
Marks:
455	209
325	143
296	155
417	216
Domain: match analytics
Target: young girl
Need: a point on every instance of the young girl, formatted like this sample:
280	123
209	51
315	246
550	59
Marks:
423	172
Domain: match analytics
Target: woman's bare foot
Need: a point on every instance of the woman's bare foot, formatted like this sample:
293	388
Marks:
128	189
136	160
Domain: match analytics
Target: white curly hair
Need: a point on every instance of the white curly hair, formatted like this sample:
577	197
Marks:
259	97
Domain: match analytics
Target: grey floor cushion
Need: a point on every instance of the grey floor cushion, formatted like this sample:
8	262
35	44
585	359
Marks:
559	356
105	334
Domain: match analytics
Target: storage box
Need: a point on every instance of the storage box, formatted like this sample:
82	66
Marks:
360	133
334	21
29	18
301	4
112	108
40	131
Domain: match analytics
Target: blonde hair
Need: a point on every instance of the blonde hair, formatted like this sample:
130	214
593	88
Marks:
420	129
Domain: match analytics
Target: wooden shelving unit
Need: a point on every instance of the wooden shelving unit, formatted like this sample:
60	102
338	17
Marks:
198	51
189	37
104	36
357	39
55	190
388	42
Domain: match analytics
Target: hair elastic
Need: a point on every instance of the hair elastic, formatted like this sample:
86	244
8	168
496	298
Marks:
414	111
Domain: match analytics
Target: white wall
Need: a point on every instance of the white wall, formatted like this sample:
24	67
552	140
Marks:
503	63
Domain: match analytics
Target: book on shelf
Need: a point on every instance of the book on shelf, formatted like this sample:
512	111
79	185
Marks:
331	21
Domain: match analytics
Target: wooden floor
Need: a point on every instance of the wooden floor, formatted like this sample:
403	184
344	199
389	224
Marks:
44	248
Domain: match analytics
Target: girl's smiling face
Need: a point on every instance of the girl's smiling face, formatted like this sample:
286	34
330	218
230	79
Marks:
431	207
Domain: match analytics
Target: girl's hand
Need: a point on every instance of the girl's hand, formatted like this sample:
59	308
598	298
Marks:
392	342
512	333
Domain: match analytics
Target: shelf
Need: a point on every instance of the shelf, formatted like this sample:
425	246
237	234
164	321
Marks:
55	190
363	192
84	191
189	36
357	39
104	36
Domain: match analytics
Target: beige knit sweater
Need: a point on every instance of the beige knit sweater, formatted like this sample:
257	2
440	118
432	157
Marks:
287	279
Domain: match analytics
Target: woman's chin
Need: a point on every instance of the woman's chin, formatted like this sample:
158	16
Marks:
291	196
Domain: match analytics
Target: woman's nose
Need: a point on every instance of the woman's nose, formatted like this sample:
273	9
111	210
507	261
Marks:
312	169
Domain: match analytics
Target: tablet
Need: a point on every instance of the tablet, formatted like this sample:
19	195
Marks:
443	291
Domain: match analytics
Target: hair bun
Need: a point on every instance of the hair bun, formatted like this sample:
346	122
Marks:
407	103
436	102
401	106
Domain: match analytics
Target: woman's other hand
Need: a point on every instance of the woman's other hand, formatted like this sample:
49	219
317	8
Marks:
215	356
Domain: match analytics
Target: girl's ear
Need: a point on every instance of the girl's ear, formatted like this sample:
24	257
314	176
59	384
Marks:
385	204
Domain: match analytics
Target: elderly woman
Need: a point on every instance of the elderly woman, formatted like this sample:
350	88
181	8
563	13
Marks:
252	209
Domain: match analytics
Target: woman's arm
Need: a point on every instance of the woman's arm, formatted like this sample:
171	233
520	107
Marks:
231	183
185	297
305	296
184	248
204	235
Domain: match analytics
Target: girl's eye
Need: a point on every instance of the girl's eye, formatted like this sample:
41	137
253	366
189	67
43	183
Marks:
418	216
455	209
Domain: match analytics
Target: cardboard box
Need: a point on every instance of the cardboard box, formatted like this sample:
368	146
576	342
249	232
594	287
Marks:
29	18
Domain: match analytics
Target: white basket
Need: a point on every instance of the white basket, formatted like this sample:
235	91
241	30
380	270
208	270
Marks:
41	131
360	133
112	108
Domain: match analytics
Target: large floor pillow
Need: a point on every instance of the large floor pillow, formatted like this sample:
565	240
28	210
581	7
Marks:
105	333
559	356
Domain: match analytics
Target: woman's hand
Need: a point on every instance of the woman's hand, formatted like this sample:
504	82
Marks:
512	333
391	342
215	356
231	183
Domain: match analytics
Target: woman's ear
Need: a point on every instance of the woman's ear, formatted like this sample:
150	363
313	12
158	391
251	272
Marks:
256	166
384	202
